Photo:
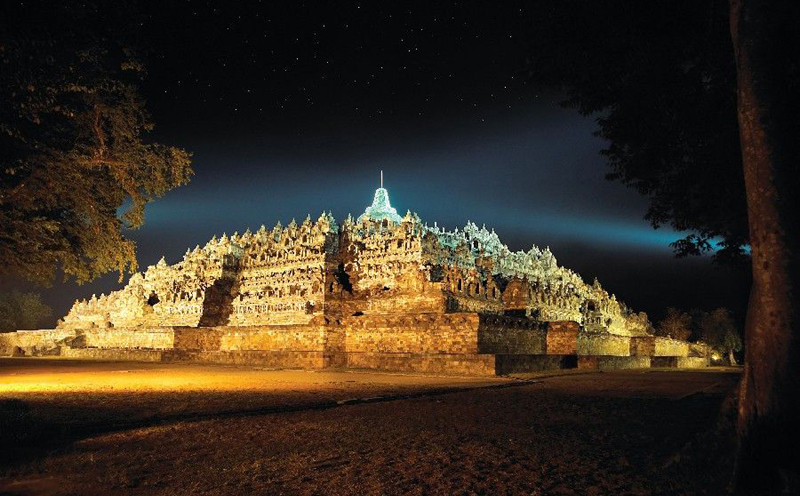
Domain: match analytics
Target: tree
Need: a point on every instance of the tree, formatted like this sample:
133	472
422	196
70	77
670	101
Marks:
767	51
698	102
719	331
76	169
659	77
22	311
675	325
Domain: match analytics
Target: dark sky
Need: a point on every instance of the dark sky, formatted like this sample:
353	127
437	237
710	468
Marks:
294	107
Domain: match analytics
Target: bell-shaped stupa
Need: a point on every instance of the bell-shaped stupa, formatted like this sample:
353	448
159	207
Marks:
381	208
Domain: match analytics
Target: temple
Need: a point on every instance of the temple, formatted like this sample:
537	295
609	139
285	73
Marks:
379	292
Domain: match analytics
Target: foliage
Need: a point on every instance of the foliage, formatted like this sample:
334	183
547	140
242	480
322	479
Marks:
75	167
694	97
676	325
718	329
22	311
659	77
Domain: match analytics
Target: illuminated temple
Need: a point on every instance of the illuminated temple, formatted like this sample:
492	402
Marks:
378	292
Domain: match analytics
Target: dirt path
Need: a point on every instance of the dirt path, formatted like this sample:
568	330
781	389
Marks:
602	433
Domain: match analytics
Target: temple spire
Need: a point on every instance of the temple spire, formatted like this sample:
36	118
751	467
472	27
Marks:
381	208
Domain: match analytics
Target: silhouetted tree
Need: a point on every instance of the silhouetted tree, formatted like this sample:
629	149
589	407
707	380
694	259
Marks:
698	101
76	168
659	77
22	311
718	330
676	325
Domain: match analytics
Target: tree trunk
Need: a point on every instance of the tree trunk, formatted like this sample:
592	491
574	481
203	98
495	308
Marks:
767	458
731	358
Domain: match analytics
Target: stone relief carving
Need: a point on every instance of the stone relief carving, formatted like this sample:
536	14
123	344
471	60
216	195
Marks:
379	263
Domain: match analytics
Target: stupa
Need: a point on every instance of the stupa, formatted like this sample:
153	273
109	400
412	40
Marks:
380	292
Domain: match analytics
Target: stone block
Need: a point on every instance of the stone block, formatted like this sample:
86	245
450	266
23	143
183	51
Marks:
692	362
421	333
273	338
120	354
590	343
131	338
198	338
670	347
643	345
40	342
562	338
511	335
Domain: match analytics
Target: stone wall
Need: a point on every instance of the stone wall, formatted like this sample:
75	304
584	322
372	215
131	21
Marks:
380	264
692	362
112	354
198	338
562	338
47	341
670	347
282	278
404	300
163	295
435	342
456	302
511	335
591	343
643	345
36	342
410	292
273	338
309	337
613	362
131	338
448	333
412	333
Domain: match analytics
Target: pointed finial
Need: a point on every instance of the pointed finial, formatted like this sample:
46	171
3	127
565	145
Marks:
381	178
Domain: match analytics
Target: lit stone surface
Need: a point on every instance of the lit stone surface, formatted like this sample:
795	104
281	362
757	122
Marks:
381	208
381	292
380	264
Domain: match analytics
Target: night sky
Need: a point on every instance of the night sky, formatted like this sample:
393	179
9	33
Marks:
291	108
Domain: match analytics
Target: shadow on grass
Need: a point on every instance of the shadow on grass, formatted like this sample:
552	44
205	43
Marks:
660	435
47	422
576	433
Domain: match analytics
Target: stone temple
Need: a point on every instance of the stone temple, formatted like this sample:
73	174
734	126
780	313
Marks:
378	292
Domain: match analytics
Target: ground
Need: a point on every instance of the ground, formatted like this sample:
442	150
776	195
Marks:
73	427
